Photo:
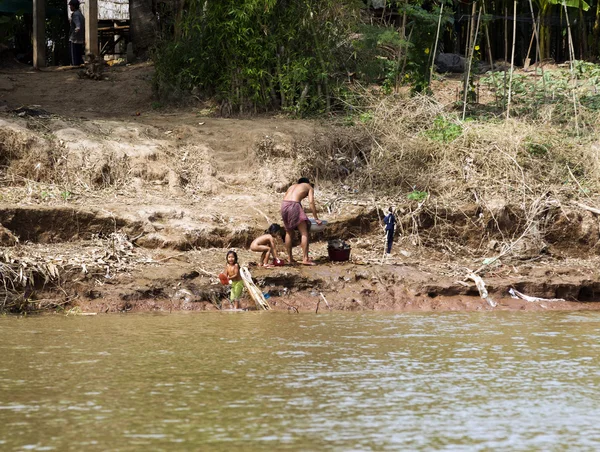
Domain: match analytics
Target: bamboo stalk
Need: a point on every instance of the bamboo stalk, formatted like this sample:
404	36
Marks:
572	69
526	65
400	49
488	42
467	47
512	60
437	37
505	51
406	53
470	29
471	51
570	38
537	45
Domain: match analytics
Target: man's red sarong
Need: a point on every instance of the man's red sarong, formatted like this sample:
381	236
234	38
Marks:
292	214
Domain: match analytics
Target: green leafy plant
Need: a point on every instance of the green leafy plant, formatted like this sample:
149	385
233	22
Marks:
300	56
366	117
554	88
537	149
258	54
443	130
417	195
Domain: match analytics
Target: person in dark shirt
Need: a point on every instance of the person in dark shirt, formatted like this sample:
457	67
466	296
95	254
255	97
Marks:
390	223
76	34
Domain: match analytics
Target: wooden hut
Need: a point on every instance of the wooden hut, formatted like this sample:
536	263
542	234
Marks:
113	26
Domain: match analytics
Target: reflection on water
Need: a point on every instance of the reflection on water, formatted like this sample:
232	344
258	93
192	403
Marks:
264	381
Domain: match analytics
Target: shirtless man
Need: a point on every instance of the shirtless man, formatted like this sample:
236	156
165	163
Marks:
294	217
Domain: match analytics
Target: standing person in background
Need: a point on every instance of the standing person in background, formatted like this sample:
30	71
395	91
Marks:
294	217
76	34
390	223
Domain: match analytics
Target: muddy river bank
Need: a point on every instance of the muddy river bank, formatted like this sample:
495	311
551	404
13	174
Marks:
119	206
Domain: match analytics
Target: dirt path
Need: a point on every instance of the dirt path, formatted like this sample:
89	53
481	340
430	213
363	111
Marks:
133	204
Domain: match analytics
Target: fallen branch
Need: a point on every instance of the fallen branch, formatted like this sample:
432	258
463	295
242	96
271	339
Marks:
292	306
482	290
170	257
516	294
530	223
576	181
325	300
588	208
204	272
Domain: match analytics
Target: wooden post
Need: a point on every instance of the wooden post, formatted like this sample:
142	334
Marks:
488	42
538	54
437	37
467	50
39	33
470	62
512	60
91	27
571	64
505	53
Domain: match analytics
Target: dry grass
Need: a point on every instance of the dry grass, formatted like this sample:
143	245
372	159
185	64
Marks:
29	272
37	161
520	175
403	144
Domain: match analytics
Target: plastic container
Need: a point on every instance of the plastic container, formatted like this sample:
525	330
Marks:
224	279
338	255
314	227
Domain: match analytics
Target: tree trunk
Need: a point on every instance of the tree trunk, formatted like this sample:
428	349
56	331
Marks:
543	34
143	26
583	43
596	34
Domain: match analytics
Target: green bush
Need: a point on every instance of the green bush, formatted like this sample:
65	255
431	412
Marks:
258	54
417	195
443	130
301	56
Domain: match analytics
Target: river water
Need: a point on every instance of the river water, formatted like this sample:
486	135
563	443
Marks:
274	381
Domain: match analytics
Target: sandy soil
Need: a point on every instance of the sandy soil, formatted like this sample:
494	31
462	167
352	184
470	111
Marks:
143	203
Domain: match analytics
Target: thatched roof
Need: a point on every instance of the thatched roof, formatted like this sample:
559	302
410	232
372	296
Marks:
113	9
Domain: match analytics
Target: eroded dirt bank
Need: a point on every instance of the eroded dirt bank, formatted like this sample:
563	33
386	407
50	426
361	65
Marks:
117	207
109	273
346	286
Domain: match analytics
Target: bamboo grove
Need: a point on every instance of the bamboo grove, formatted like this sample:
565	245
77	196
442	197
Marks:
303	55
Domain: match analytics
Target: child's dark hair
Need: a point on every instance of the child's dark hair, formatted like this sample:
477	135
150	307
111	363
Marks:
234	256
275	229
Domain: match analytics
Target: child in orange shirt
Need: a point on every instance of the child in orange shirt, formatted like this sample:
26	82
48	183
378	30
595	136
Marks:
232	270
